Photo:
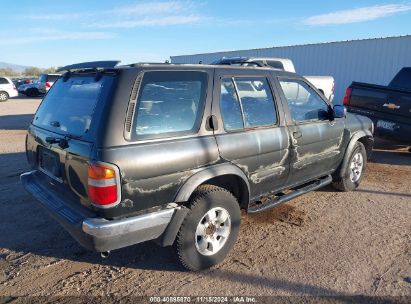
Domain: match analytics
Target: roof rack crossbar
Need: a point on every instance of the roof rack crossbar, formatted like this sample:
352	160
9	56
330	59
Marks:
90	65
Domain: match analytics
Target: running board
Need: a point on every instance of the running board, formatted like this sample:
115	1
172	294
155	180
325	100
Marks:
289	196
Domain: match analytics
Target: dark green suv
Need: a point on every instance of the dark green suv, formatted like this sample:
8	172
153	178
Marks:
126	154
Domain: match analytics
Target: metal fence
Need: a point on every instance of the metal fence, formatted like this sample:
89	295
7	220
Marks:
370	60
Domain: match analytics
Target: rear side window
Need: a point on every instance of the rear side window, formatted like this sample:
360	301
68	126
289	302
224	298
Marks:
230	106
247	103
170	103
69	105
3	81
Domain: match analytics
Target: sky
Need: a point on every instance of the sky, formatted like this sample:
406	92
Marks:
55	33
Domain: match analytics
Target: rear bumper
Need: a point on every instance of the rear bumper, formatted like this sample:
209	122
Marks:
99	234
13	93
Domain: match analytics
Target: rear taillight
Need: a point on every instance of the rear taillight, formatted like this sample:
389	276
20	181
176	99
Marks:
347	96
14	87
48	85
333	88
103	184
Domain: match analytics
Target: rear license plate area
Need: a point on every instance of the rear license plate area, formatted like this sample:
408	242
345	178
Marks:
49	162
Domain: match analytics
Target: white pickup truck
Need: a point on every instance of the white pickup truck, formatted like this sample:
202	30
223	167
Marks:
324	84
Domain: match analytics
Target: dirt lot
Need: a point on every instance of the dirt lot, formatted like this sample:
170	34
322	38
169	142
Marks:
324	243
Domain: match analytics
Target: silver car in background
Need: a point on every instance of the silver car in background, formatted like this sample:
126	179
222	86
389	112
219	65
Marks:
7	89
39	87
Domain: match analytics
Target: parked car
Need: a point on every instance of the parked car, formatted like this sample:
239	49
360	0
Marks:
389	107
39	87
125	154
324	84
7	89
20	81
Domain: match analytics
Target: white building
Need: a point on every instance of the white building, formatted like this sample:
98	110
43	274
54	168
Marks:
369	60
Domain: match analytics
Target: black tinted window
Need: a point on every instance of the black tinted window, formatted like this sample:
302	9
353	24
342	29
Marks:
170	102
3	81
304	103
230	106
69	105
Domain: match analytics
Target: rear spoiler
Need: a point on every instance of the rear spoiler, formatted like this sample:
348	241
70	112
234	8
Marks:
92	65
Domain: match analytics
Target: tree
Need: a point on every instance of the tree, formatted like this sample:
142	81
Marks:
32	71
49	70
8	72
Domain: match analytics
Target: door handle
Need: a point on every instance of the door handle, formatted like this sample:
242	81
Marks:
297	134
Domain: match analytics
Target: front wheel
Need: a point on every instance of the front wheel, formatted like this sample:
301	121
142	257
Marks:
350	176
32	93
210	229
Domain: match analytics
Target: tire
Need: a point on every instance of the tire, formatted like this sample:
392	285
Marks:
353	171
4	96
199	244
32	92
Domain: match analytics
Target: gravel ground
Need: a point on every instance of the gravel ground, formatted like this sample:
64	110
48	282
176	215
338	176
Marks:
323	243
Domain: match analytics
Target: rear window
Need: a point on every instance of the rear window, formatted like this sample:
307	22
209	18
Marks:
69	105
3	81
52	78
48	78
169	104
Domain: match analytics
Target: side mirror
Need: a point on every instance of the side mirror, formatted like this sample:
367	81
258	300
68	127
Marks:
339	111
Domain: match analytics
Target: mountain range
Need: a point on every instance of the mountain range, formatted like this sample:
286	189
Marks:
15	67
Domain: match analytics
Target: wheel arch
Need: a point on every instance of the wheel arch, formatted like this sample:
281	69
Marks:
227	176
365	137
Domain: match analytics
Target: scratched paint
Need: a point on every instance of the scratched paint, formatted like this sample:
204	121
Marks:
264	172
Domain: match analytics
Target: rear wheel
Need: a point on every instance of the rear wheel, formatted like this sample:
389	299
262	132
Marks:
210	229
32	92
4	96
350	176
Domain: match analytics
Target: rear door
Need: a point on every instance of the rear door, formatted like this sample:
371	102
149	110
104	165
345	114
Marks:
251	132
316	140
63	131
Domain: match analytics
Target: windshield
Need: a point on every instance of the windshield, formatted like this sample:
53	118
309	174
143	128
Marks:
69	106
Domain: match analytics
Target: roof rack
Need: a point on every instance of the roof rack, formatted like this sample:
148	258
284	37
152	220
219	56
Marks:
237	60
90	65
147	63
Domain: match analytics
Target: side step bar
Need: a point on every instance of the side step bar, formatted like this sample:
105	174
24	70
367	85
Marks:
289	196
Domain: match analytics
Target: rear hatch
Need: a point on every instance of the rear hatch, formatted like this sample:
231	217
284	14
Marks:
63	132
